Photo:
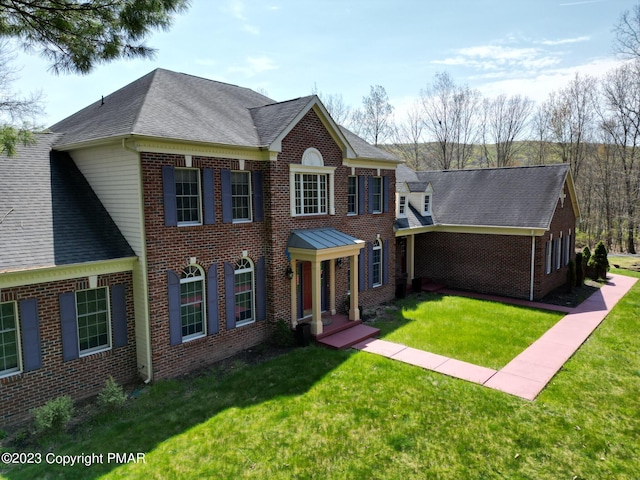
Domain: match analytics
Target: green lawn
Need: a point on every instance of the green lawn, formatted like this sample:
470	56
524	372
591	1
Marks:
317	413
486	333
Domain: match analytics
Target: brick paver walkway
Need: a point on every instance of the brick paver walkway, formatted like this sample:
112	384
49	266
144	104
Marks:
528	373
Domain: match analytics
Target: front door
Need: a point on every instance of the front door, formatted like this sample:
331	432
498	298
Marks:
305	291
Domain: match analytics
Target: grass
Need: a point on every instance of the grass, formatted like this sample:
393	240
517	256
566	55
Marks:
627	262
316	413
486	333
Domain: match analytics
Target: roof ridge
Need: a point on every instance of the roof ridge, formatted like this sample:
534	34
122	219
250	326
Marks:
475	169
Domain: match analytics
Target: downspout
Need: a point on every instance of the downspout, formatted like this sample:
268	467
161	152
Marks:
149	356
533	261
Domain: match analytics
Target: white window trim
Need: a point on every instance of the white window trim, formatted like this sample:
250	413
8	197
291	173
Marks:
302	169
195	336
253	290
377	245
424	200
199	222
18	369
243	220
94	350
382	193
356	199
548	260
402	206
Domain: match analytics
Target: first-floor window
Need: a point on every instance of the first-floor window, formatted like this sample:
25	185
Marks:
192	302
93	320
9	340
548	256
377	263
558	252
244	292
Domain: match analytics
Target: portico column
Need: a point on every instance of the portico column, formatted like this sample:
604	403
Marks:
316	302
294	294
354	311
332	286
411	246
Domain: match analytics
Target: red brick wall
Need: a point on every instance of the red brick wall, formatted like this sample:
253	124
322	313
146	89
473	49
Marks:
496	264
79	378
169	248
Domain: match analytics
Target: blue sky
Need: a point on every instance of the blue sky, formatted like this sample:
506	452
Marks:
285	47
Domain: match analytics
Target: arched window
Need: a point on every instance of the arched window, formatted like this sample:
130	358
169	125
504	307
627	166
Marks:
244	292
192	304
377	263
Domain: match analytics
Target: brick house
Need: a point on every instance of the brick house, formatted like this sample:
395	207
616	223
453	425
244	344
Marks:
503	231
167	225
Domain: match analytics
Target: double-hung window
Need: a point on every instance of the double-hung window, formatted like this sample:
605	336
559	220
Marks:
352	195
376	196
192	311
9	339
241	196
188	196
402	206
94	330
427	204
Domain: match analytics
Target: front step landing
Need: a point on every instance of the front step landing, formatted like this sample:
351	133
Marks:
348	338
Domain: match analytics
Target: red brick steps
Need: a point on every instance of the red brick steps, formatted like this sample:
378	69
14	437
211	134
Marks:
349	337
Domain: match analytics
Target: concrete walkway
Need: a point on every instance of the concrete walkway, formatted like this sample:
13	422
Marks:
528	373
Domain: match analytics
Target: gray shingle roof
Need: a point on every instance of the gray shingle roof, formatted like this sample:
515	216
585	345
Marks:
49	214
178	106
523	197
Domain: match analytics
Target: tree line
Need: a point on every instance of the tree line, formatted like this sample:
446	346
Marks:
593	124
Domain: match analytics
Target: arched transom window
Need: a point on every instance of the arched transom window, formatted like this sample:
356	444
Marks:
192	302
244	292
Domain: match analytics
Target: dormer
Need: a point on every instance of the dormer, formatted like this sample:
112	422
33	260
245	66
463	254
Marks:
402	200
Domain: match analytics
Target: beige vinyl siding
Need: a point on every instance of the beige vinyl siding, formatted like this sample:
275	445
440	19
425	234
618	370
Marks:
114	174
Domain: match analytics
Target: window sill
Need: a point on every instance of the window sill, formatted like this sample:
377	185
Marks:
190	224
235	222
193	337
97	351
244	323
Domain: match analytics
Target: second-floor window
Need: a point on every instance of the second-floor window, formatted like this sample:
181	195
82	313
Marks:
352	195
241	196
376	196
402	206
188	196
427	204
310	194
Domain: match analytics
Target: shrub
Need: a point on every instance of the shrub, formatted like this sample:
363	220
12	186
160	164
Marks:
586	256
53	416
112	396
598	263
282	335
571	276
580	267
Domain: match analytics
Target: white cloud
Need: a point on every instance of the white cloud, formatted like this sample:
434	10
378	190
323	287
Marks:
237	10
255	66
497	57
564	41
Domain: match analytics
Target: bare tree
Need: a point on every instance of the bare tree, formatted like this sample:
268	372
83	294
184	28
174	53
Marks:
572	121
505	119
339	111
450	117
374	122
627	30
540	127
620	114
408	139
